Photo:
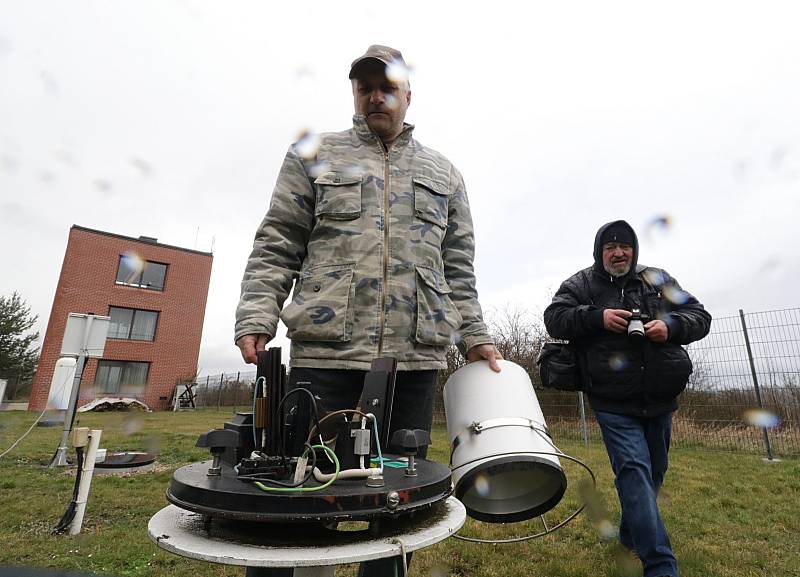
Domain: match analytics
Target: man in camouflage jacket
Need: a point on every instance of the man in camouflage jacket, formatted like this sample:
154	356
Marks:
377	232
376	228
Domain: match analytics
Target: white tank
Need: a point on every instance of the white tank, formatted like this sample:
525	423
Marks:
503	461
61	384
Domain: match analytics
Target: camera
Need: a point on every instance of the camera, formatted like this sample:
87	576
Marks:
636	324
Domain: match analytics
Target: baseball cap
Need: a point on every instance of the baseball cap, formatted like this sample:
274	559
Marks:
379	53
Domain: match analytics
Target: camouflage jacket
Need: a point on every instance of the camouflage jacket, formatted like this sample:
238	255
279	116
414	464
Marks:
370	280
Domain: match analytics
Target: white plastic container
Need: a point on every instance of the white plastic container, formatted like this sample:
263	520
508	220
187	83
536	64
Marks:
503	461
61	384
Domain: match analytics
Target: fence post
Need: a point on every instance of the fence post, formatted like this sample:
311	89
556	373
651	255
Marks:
236	394
219	393
584	428
755	381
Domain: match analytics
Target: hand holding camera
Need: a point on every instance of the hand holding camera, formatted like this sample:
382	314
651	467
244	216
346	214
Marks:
636	324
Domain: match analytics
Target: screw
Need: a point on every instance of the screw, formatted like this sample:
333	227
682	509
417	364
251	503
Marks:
393	500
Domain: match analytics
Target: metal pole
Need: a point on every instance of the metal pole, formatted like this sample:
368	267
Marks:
60	458
219	393
584	428
755	381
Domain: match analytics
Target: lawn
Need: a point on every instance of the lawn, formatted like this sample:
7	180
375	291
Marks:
728	514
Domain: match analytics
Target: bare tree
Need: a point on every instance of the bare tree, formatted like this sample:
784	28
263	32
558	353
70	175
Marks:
519	334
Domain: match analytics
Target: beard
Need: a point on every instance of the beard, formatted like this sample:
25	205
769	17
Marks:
618	271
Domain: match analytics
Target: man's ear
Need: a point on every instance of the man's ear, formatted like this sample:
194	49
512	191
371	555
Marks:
408	97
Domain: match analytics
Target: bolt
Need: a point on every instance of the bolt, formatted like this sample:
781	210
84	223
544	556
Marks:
393	500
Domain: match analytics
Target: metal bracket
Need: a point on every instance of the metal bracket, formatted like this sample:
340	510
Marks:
477	427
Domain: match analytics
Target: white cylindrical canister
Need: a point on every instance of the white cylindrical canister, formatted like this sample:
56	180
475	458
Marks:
502	457
61	384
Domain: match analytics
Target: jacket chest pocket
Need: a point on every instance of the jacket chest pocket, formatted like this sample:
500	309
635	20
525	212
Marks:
438	318
322	309
430	201
338	196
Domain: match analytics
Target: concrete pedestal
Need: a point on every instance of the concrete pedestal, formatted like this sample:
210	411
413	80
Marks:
316	555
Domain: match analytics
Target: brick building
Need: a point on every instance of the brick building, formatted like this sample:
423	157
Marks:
155	295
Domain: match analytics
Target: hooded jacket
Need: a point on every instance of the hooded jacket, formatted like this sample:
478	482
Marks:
626	375
377	246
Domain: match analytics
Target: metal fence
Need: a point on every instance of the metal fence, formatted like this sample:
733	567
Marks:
746	374
18	387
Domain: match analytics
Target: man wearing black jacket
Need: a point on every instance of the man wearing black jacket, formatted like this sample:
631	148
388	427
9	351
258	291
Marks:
629	321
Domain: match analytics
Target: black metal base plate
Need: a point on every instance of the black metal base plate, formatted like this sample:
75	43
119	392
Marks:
226	497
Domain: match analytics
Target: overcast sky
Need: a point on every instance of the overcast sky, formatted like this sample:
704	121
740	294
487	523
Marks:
171	119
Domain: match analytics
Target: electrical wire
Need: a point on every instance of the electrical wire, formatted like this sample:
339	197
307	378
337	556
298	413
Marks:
313	405
255	396
306	489
253	477
69	514
330	416
403	555
39	418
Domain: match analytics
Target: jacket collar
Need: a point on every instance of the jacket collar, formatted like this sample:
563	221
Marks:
364	132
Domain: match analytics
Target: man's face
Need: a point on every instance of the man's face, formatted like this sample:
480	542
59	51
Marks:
384	102
617	258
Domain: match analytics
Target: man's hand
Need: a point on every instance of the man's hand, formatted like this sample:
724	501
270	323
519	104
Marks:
250	345
616	320
656	331
487	352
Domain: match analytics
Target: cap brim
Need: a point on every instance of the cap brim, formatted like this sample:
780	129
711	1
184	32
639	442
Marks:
366	62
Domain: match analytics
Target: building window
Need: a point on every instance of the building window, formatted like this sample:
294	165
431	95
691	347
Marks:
132	324
111	375
135	272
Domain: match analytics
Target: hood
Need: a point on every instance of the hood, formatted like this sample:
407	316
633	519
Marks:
598	248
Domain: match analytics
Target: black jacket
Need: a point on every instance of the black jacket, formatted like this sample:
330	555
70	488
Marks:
626	375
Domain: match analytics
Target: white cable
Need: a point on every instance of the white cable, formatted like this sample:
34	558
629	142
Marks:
361	473
25	435
363	428
39	418
346	474
403	555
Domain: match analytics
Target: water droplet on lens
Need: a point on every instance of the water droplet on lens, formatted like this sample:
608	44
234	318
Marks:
318	169
482	485
675	295
132	424
396	71
761	418
307	145
132	265
606	530
617	362
391	102
654	277
658	226
103	185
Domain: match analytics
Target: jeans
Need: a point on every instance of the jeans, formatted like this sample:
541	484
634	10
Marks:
412	408
638	450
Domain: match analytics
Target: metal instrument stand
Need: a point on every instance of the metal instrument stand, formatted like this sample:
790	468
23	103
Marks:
185	533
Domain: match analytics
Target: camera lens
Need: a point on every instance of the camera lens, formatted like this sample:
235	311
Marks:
635	328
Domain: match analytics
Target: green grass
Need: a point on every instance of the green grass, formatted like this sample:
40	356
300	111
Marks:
729	515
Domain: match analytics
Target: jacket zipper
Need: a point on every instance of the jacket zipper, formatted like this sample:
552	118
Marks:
385	279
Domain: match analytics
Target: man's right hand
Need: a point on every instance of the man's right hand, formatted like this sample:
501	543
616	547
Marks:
249	345
616	320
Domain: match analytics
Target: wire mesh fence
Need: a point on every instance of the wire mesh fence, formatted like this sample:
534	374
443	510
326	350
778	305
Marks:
18	387
744	393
